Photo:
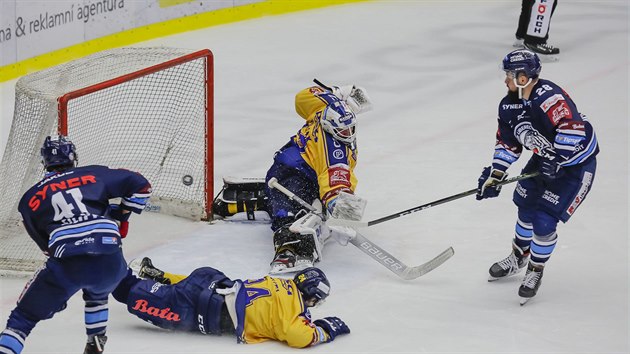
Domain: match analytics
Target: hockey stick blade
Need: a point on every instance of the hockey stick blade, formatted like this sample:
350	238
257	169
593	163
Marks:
418	271
394	264
375	252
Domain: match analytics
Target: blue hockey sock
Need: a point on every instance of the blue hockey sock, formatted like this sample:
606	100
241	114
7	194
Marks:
542	247
11	341
523	235
96	315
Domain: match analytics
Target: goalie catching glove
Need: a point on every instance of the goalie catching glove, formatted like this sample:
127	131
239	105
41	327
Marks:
356	97
347	206
117	213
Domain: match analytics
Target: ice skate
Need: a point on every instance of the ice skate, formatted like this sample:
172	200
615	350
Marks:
531	283
286	261
508	266
546	51
96	345
145	269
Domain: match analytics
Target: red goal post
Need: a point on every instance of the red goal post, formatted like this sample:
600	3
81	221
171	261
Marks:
147	109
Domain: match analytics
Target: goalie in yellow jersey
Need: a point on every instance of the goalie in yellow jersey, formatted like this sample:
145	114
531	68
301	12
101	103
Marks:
317	164
255	310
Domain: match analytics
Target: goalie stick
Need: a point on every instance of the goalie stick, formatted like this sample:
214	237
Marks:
320	84
352	223
375	252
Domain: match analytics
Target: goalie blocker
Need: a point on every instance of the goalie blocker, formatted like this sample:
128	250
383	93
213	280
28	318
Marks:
240	194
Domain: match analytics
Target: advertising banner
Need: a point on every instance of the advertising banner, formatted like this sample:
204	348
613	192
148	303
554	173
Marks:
29	28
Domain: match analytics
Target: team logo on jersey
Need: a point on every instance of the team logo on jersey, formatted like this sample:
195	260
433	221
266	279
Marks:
531	138
338	154
165	313
338	176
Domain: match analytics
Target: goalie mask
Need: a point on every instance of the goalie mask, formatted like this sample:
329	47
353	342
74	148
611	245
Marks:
339	120
58	153
313	285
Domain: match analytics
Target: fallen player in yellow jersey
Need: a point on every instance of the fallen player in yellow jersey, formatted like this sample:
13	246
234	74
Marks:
255	310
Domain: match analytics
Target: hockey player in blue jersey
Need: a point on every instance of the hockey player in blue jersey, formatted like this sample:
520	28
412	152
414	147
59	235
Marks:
317	164
69	217
539	116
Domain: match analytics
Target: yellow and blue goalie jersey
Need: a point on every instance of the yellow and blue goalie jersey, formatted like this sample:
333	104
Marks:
273	309
332	163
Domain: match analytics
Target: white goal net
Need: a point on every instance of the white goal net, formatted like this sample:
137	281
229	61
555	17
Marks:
144	109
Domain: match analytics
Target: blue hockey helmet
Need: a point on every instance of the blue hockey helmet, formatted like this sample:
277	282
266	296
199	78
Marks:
58	153
313	285
522	61
339	120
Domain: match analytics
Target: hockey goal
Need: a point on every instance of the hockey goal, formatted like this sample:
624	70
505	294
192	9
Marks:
148	110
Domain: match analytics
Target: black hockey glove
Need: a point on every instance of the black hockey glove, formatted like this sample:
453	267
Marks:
334	326
486	180
117	213
121	215
550	166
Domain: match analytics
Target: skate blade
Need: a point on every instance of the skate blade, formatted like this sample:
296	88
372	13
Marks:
549	58
283	269
524	300
491	278
135	265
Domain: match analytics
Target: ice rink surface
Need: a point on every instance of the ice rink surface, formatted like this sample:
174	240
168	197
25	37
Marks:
432	69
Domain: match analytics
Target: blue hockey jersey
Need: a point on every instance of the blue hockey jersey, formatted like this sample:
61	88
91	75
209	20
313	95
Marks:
66	213
548	120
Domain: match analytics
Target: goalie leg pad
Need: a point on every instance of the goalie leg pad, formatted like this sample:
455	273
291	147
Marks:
300	245
241	195
310	226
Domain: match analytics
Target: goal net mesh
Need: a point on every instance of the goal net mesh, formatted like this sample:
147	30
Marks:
143	109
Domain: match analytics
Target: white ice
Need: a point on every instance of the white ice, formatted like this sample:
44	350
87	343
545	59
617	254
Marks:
432	70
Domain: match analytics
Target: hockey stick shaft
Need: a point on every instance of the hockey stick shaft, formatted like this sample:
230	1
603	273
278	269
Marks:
320	84
371	249
273	183
429	205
